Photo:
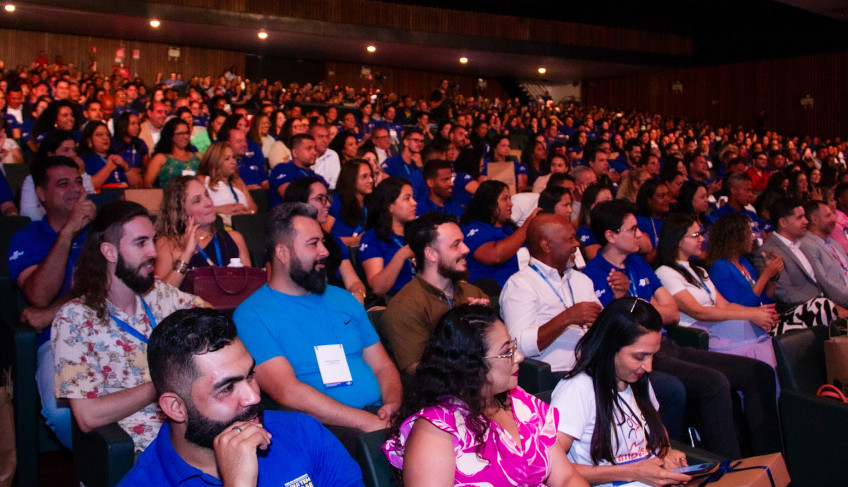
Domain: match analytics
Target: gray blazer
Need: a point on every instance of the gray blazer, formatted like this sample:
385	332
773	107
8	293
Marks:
794	286
829	272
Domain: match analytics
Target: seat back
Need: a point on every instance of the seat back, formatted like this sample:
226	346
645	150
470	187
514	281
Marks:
260	197
15	176
800	359
252	228
814	438
376	469
150	199
11	302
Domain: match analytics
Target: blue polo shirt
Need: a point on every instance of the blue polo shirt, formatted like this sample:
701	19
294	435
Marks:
427	205
132	152
585	236
643	282
283	173
30	247
371	247
302	453
461	196
478	233
5	190
274	324
251	167
396	167
340	228
94	163
651	227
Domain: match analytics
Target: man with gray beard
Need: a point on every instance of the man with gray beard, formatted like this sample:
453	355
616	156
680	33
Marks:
440	284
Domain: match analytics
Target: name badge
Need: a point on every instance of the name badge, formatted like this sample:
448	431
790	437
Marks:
393	133
188	172
332	363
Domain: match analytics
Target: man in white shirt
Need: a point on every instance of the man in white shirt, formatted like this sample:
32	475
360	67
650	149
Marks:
382	143
327	164
547	304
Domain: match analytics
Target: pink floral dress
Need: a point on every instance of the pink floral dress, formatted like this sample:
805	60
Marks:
502	462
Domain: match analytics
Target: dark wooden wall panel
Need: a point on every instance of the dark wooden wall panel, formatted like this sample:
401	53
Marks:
736	93
21	47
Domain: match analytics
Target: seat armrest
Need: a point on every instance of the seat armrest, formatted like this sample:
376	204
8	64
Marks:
694	455
686	336
535	376
103	455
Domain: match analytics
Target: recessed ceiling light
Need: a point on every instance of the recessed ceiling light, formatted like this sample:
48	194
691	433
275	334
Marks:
262	34
463	60
542	70
154	23
371	49
9	7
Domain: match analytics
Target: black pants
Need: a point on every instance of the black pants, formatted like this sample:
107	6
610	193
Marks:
709	378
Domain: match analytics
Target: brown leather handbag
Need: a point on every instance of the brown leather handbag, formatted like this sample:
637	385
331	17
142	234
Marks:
224	287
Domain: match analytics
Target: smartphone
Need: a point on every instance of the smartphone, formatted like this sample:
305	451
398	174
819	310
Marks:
695	469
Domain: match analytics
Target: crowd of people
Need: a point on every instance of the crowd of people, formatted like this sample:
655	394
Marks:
490	231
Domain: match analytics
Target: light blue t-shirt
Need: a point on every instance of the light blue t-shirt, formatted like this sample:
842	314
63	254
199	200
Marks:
273	324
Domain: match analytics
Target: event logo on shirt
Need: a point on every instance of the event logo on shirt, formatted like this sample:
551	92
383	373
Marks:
302	481
600	292
643	282
362	247
472	232
16	254
584	239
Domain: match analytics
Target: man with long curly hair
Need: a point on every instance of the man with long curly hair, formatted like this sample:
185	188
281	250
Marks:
100	336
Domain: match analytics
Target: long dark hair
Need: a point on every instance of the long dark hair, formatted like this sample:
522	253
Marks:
484	204
85	139
643	197
684	198
619	325
674	229
47	120
550	197
91	280
590	194
468	162
166	139
379	217
452	366
351	214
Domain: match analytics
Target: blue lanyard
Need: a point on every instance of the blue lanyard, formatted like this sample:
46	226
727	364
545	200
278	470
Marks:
232	190
217	253
551	285
358	229
132	331
633	291
400	243
704	285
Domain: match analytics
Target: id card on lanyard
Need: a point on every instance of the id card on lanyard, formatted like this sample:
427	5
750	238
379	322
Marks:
332	363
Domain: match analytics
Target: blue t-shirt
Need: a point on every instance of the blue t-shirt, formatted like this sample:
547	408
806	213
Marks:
94	163
396	167
461	196
427	205
5	190
732	284
340	228
274	324
478	233
643	282
585	236
758	227
371	247
30	247
619	164
651	227
302	452
132	152
283	173
251	167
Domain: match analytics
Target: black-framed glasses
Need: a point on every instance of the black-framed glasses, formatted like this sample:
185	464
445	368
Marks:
510	354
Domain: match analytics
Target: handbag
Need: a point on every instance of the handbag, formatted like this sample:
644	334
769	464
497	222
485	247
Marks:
833	392
224	287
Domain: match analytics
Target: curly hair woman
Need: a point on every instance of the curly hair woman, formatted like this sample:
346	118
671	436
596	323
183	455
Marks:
465	421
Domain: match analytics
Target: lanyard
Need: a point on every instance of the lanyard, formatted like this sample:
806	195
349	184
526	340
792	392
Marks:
704	285
551	285
633	291
132	331
400	243
358	229
232	190
217	253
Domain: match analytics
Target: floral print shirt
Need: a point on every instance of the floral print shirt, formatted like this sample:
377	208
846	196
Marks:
95	358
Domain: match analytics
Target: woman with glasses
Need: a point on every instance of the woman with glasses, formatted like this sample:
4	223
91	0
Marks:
172	156
464	420
107	169
186	233
733	328
340	272
349	209
609	425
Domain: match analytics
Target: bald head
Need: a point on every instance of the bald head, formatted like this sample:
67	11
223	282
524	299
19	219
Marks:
551	240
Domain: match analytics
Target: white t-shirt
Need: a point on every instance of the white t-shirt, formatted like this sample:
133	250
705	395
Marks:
675	282
575	400
10	145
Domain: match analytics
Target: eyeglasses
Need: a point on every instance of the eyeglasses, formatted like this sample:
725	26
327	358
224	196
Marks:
323	198
180	134
513	347
633	230
693	235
